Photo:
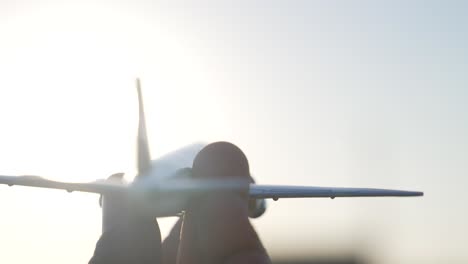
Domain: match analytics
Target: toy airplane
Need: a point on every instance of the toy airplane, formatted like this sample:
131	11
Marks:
164	186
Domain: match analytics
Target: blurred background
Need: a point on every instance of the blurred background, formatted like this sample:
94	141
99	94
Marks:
327	93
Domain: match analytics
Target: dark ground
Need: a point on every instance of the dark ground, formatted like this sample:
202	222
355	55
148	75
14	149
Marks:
320	261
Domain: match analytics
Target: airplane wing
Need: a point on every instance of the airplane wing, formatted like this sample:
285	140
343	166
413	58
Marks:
276	191
100	187
255	191
182	186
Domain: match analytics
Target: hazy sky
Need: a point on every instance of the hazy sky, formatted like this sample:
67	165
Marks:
363	93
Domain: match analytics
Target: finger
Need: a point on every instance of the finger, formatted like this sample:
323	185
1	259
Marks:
216	228
129	237
189	250
134	241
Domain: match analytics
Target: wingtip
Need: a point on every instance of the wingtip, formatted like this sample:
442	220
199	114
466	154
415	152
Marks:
415	193
411	193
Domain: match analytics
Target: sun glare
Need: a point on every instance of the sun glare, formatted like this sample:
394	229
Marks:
68	104
68	93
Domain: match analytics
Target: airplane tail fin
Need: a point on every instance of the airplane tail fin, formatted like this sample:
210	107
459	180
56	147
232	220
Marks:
143	152
111	204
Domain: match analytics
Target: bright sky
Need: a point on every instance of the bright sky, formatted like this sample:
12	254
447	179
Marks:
348	94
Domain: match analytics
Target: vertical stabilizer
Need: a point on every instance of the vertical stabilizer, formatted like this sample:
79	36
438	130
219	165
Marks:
112	204
143	153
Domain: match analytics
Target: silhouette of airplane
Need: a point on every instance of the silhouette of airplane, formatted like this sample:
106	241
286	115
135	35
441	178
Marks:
164	186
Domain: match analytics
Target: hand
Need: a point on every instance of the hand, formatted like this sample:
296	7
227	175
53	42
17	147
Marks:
214	229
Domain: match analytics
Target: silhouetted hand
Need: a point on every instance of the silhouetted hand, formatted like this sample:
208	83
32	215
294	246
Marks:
214	229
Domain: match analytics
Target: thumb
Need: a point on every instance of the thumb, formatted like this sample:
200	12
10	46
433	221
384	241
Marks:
216	228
